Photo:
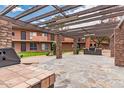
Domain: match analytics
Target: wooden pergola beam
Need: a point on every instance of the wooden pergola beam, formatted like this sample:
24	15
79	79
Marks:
94	9
97	14
29	11
8	9
96	26
103	32
103	12
65	8
89	30
60	10
116	14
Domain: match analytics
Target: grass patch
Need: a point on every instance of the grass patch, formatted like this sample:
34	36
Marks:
29	54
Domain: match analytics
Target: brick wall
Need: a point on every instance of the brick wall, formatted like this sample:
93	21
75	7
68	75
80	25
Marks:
87	42
119	45
5	34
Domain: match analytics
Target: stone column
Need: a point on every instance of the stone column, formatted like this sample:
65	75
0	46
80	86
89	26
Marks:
112	46
5	34
58	46
119	45
75	45
87	42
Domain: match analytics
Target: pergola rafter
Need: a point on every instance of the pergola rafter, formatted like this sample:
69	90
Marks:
97	8
32	10
107	32
8	9
65	8
60	10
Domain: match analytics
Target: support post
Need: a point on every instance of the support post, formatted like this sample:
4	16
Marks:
119	45
58	46
75	46
87	42
112	46
5	34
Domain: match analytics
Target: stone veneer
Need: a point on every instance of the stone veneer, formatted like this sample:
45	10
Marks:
112	46
5	34
58	46
119	45
87	42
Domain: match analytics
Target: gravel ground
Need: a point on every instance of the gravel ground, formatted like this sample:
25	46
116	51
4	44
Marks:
85	71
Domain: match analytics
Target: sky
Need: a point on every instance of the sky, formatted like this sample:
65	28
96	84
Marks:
21	8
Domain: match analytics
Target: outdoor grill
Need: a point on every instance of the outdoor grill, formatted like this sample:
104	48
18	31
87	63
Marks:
8	57
13	70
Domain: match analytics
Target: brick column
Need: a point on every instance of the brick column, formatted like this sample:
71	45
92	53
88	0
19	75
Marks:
58	46
119	45
112	46
87	42
5	34
75	44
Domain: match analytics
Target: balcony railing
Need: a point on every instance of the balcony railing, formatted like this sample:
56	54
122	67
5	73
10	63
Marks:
34	38
40	38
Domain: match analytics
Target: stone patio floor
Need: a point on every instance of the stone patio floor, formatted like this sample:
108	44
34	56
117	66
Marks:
84	71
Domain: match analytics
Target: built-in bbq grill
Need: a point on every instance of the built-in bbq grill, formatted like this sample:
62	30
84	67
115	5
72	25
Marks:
8	57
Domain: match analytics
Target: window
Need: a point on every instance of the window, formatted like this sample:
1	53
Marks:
23	46
13	34
33	34
23	35
33	46
45	46
44	34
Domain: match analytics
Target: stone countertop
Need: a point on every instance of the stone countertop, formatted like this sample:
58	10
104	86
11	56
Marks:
25	76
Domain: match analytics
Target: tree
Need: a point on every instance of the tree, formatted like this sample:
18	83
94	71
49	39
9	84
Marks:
100	39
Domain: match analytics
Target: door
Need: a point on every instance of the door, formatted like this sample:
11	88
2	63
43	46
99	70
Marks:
23	35
23	46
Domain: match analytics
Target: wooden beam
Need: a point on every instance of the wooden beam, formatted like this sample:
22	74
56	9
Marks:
65	8
94	9
103	12
29	11
97	18
60	10
113	25
8	9
103	32
88	30
96	26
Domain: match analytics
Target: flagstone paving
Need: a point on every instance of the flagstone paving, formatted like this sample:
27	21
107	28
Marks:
85	71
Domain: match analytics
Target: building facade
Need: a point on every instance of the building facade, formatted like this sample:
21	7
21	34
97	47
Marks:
29	40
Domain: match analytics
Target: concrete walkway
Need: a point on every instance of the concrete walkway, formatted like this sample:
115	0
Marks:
84	71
